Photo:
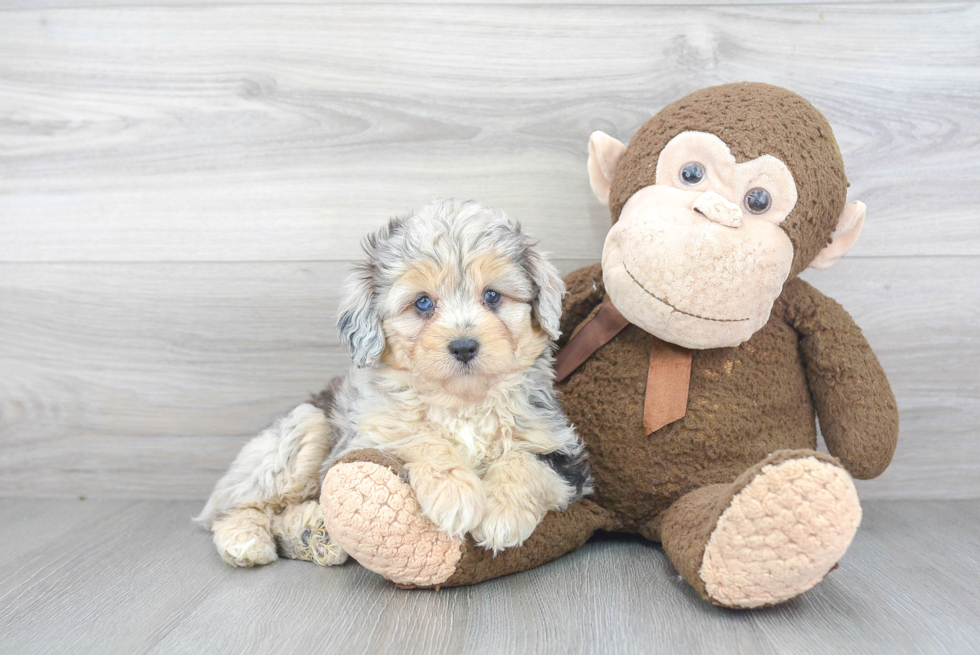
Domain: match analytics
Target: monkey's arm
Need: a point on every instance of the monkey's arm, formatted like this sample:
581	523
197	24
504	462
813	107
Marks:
585	290
855	405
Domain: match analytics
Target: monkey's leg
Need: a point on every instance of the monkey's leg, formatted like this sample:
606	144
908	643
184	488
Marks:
768	537
371	511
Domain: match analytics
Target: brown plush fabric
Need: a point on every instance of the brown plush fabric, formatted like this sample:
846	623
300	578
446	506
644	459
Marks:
744	403
668	377
685	528
858	414
558	533
754	120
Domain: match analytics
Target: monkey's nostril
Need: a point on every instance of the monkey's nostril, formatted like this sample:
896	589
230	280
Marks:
464	349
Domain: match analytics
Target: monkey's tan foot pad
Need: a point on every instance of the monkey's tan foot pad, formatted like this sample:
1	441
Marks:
373	514
781	534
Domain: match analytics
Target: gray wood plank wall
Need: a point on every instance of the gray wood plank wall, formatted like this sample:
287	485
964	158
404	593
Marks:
183	184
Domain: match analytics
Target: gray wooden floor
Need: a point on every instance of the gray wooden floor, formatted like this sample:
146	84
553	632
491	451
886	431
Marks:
136	576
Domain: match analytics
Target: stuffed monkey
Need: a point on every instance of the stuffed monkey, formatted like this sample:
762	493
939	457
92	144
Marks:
693	364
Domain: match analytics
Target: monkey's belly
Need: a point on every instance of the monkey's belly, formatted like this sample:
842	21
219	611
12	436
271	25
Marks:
743	404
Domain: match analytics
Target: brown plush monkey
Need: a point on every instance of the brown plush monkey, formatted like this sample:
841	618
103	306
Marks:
694	363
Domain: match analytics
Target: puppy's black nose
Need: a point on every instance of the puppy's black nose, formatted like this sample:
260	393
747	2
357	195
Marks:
464	349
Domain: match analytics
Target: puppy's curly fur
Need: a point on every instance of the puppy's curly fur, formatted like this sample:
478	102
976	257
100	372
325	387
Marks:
451	323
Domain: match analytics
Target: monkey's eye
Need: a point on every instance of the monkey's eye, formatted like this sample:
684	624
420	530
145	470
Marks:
424	303
757	201
491	298
692	173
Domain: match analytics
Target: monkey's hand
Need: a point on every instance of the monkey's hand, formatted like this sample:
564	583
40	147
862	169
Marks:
854	402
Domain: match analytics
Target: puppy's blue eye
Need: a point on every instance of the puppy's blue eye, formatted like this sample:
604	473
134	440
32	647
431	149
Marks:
491	297
424	304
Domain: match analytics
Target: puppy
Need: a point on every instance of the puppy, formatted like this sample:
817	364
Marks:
451	323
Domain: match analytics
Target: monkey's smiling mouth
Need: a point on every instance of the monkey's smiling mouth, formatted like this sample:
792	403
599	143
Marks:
676	309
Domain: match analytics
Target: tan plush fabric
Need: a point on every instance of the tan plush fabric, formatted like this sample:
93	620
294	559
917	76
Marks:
781	533
373	514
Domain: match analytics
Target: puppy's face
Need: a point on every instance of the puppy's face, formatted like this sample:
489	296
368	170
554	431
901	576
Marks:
461	298
461	327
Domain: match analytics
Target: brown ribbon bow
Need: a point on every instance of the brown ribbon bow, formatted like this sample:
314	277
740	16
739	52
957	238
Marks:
668	378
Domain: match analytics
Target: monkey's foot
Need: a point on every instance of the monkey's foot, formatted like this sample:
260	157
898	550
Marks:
372	513
781	534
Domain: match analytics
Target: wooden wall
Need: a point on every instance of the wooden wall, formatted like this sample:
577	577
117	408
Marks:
183	185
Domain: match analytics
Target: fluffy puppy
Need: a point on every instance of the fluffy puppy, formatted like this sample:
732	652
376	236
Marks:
451	323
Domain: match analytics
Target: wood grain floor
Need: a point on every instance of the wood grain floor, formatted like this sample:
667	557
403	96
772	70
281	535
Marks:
182	185
138	577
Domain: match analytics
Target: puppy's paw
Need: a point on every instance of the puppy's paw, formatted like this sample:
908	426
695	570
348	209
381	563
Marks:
453	499
244	539
505	524
321	548
301	534
254	551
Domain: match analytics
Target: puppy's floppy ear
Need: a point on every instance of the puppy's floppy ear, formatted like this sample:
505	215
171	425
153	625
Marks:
549	289
359	321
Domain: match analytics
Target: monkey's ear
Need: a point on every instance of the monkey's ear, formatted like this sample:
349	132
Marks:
604	155
844	237
359	322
